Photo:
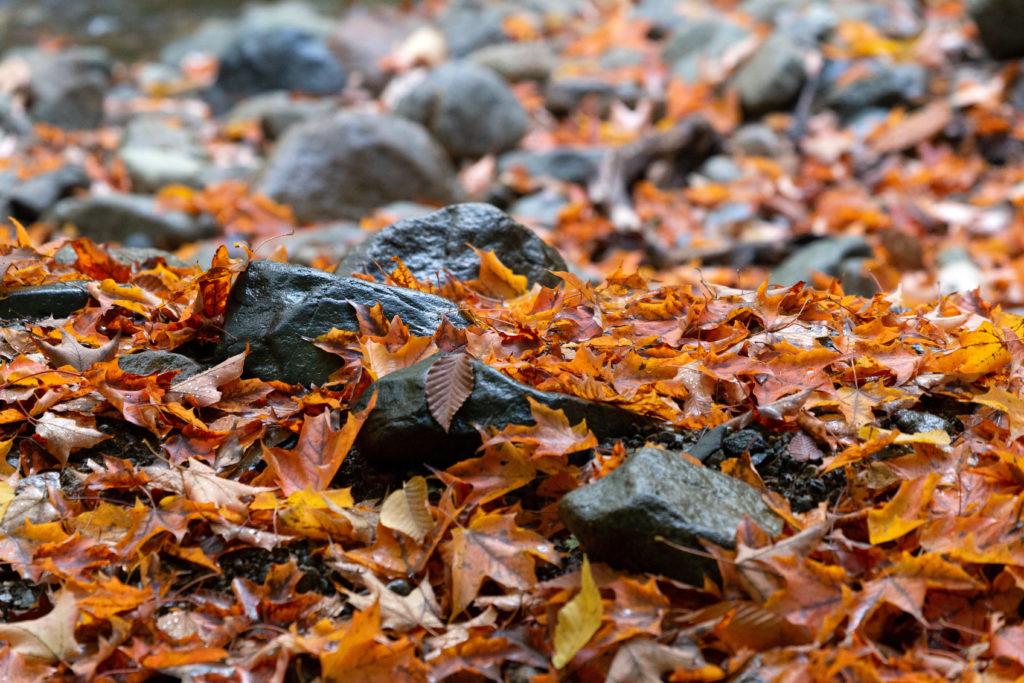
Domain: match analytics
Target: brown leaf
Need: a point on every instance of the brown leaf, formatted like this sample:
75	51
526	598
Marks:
646	661
78	356
200	484
449	383
203	388
65	434
803	449
50	637
406	510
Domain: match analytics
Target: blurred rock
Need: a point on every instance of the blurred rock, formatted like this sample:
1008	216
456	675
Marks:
133	219
770	80
523	61
364	36
1000	26
700	41
887	85
66	89
572	164
158	152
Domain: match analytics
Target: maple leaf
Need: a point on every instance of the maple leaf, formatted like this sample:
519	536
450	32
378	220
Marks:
642	660
203	389
495	279
66	434
493	546
71	352
901	514
362	655
449	383
200	483
1011	404
578	619
552	435
401	613
50	637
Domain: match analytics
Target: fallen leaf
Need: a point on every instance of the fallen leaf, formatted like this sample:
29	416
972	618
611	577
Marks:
66	434
642	660
203	389
449	383
578	620
407	510
51	637
71	352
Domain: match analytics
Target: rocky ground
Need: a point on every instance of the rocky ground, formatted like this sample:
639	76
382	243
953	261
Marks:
514	341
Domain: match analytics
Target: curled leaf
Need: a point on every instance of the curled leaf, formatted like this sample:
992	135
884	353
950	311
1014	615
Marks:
80	357
449	383
406	510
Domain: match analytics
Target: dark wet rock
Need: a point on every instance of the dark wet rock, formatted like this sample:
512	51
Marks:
698	42
914	421
771	79
277	306
1000	26
886	86
127	255
134	219
565	93
364	37
470	25
521	61
657	493
279	59
439	242
749	441
824	255
31	198
344	166
856	279
401	417
571	164
58	299
467	108
66	89
158	362
276	112
158	152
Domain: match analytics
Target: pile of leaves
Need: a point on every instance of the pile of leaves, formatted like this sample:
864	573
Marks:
195	528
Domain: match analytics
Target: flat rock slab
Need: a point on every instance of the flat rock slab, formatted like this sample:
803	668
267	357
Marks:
655	493
277	306
439	242
400	431
58	299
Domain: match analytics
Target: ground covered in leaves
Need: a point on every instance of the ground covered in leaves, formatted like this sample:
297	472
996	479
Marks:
220	526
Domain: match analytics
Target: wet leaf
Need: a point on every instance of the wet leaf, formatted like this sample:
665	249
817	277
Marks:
449	383
578	620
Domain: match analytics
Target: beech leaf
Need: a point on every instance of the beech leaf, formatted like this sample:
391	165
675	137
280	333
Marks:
77	355
449	383
406	510
578	620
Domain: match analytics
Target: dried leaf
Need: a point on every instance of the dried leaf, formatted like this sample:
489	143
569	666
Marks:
406	510
203	389
50	637
578	620
803	449
71	352
449	383
645	661
66	434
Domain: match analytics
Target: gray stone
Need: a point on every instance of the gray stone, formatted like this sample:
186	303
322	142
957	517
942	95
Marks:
914	421
655	493
540	208
468	26
364	37
571	164
159	151
886	86
279	59
1000	26
700	41
565	93
439	242
211	37
522	61
132	218
157	362
771	79
400	430
663	15
276	112
66	89
33	197
756	140
467	108
57	299
824	255
332	241
277	307
127	255
720	169
347	165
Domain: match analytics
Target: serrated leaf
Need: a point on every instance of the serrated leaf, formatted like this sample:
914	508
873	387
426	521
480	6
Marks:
80	357
449	383
578	620
406	510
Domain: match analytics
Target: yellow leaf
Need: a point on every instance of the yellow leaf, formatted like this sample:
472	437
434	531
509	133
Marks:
578	620
406	510
901	515
935	437
496	279
6	495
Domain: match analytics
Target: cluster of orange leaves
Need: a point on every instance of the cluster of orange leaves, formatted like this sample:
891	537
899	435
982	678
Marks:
916	566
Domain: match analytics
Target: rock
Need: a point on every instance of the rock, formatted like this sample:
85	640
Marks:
565	93
332	241
700	42
33	197
279	59
1000	26
824	255
914	421
345	166
655	493
720	169
756	140
126	255
467	108
134	219
745	441
364	37
12	118
523	61
439	242
663	15
572	164
211	37
771	79
886	86
57	299
276	112
401	417
157	362
66	89
468	26
276	307
540	208
159	151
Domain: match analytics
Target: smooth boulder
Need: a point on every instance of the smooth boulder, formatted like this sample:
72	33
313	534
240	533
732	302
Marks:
278	307
352	163
401	432
772	78
57	299
133	219
439	242
657	494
